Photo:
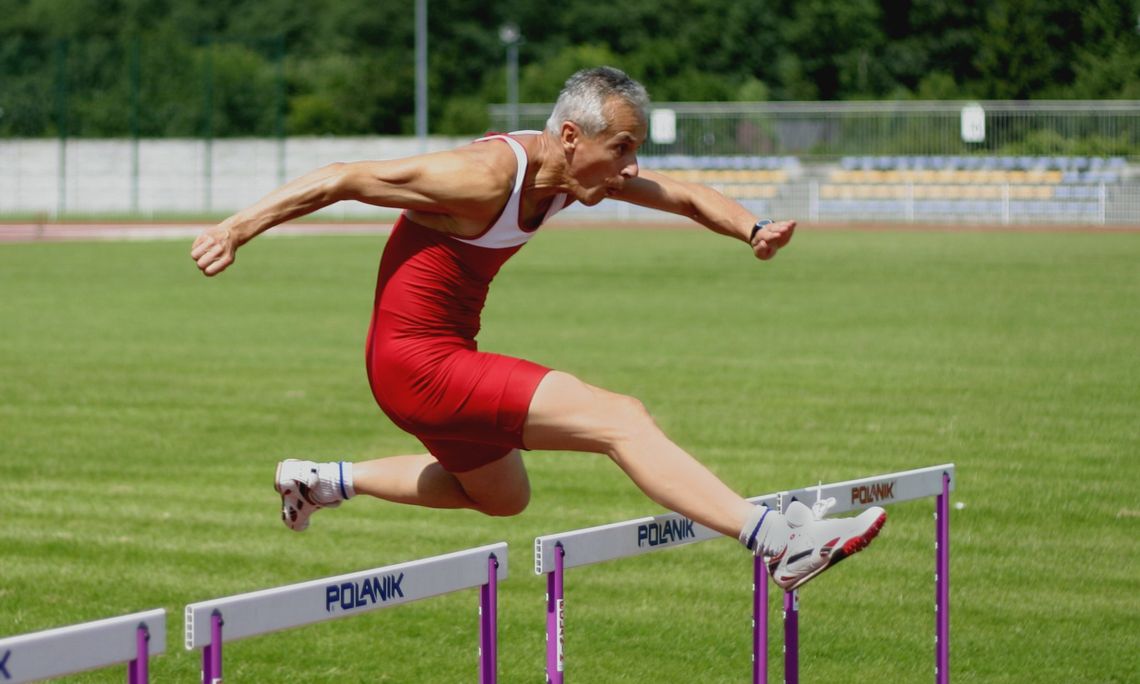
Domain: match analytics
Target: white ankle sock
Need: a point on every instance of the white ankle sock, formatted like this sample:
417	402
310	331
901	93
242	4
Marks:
765	532
334	482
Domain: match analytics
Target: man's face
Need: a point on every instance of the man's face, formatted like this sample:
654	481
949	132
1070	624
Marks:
600	164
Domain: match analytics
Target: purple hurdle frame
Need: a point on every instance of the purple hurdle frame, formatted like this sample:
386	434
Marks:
488	624
555	618
138	670
209	624
555	553
944	484
942	583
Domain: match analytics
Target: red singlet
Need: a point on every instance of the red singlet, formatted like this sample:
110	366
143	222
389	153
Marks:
467	407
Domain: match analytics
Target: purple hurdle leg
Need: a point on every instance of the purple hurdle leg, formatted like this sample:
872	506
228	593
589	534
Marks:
942	584
137	669
791	637
207	664
759	621
555	607
212	654
488	624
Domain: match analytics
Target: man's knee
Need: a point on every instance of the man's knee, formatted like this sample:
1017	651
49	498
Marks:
629	419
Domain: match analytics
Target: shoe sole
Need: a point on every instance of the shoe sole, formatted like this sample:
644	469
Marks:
285	490
849	548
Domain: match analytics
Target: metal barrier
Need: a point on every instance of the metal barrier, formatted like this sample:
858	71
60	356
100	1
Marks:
209	624
556	553
130	639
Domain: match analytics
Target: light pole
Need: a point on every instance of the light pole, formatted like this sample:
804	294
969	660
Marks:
509	34
421	74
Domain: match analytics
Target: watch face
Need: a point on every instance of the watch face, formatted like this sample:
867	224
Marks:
759	224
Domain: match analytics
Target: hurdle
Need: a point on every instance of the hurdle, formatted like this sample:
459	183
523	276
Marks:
556	553
130	639
211	623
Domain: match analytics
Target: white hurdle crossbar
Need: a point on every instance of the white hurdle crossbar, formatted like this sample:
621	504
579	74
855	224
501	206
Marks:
130	639
210	623
555	553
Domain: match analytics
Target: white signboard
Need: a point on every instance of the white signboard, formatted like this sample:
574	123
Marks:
663	126
973	123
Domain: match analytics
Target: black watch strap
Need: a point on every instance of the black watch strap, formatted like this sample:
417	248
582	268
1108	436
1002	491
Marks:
759	224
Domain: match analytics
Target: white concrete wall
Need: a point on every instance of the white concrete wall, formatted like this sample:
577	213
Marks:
175	175
191	176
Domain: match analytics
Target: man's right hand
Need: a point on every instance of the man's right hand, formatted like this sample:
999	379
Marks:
214	250
771	238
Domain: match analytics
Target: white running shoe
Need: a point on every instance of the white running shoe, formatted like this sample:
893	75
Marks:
816	544
295	482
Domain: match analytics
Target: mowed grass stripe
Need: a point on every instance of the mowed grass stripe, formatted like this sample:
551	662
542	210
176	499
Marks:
142	408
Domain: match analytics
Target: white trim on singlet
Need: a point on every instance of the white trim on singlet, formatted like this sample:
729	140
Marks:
505	231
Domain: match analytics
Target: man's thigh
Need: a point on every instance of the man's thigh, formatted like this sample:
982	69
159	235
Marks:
568	414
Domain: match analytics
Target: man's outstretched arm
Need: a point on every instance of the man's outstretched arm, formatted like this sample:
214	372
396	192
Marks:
457	183
707	207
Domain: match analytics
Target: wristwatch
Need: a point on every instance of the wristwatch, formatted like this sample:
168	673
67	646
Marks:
759	224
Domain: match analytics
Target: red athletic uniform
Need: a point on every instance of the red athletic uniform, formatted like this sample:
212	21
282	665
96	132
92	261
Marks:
467	407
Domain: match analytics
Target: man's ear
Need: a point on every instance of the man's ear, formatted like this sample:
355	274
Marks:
569	135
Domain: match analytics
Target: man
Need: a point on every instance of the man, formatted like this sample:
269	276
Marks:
466	211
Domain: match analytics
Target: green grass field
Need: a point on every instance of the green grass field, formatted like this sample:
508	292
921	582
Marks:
142	409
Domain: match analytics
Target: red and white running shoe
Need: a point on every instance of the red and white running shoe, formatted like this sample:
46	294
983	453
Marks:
815	544
296	482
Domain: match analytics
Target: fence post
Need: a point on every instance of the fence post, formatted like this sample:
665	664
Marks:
1103	203
61	53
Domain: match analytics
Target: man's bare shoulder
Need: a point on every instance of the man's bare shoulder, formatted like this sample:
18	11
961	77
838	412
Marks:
494	162
475	174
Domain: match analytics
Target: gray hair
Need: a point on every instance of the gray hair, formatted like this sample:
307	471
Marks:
585	94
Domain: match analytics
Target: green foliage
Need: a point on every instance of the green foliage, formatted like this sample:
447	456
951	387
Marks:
541	82
753	90
313	67
937	85
1045	142
464	116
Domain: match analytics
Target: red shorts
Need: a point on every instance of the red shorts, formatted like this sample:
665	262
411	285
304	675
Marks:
467	407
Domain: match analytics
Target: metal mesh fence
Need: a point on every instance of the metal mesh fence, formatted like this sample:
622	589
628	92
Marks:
978	162
821	130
